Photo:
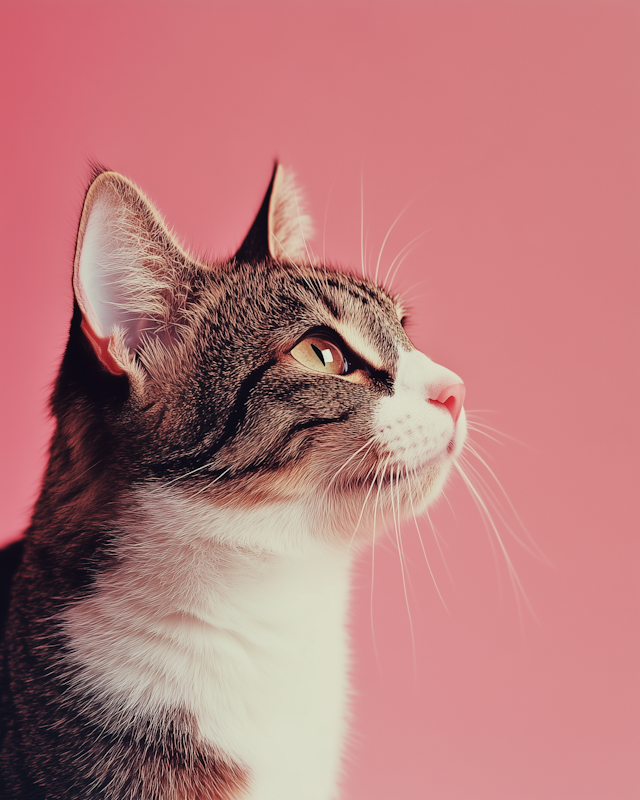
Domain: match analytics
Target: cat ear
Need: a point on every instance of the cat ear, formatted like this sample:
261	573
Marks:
125	269
281	227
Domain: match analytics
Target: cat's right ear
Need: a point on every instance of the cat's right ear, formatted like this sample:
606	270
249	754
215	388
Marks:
282	227
124	271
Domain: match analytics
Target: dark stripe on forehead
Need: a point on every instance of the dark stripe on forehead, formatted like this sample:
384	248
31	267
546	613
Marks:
331	307
356	291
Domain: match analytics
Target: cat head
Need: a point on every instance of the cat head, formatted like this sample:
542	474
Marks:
267	379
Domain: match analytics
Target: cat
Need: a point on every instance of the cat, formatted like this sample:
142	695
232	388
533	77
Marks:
227	436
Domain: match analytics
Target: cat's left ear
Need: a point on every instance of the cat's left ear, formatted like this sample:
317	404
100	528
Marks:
281	228
126	272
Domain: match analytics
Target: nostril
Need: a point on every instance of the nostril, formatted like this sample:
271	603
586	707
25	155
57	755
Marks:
453	398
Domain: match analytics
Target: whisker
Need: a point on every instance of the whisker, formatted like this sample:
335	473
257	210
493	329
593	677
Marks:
89	468
471	427
191	472
438	540
480	447
193	494
413	286
399	264
495	504
359	464
424	552
471	449
395	510
494	552
369	442
366	254
513	575
484	425
373	557
373	550
479	424
362	260
211	483
453	511
402	252
384	241
364	504
380	480
324	225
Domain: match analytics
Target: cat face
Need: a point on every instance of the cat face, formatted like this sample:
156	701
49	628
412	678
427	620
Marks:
262	380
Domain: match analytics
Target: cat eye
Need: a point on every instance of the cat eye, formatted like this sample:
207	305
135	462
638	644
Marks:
321	355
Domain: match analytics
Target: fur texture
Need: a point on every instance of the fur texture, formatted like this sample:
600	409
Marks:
176	625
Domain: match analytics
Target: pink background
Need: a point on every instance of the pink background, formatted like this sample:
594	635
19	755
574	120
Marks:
512	129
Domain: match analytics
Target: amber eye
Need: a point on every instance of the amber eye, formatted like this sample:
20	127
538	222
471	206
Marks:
320	355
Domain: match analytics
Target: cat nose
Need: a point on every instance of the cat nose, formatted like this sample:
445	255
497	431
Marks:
452	397
437	384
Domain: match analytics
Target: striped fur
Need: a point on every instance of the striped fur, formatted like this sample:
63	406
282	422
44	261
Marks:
176	624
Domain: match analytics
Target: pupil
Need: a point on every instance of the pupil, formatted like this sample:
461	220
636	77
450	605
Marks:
319	353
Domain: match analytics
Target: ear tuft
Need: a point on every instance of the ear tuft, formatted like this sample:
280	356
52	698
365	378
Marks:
289	225
281	227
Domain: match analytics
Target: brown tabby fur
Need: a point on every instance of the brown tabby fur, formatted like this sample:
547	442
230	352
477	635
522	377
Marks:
213	395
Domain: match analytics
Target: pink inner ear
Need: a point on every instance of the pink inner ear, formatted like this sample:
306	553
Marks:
100	345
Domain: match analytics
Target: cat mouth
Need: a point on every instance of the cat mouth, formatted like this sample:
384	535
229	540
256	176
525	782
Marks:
393	474
452	447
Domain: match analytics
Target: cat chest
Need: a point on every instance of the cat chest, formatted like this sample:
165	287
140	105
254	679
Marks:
256	659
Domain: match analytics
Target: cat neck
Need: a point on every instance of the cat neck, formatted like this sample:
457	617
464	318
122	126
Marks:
207	559
243	637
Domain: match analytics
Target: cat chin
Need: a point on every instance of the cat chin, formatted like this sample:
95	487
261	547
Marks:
363	508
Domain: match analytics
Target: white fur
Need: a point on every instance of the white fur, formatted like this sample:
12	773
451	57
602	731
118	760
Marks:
238	615
413	430
359	342
235	616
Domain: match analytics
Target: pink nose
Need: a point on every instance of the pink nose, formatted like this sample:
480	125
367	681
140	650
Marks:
453	398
